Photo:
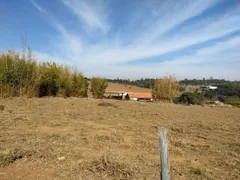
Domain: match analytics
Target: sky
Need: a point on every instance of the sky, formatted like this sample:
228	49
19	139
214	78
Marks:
129	39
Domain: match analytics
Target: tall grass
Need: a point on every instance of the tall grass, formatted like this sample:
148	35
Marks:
22	75
165	89
98	87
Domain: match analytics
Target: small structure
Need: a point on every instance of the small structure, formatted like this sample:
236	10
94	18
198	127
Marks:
117	95
140	96
208	87
128	96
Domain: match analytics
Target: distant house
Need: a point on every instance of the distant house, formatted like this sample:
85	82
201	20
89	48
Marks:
116	95
128	96
208	87
140	96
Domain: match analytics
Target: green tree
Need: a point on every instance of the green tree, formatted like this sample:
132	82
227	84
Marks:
191	98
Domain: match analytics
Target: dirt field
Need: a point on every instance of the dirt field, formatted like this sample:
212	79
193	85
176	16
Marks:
57	138
126	88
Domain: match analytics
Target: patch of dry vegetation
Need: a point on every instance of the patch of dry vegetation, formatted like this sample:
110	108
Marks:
98	87
107	104
109	165
165	89
43	138
2	107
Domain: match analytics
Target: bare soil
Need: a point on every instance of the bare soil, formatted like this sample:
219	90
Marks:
126	88
57	138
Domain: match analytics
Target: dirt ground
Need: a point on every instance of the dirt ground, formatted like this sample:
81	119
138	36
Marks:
57	138
126	88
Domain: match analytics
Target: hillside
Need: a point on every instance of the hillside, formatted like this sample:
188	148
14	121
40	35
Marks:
58	138
126	88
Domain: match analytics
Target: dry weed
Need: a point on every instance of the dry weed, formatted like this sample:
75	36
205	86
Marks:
107	104
1	107
12	156
111	166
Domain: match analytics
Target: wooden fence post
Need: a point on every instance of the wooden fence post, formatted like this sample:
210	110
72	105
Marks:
163	148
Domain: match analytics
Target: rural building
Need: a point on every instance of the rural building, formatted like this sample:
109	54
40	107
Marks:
140	96
128	96
208	87
116	95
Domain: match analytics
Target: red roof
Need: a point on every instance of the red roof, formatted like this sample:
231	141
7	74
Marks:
140	95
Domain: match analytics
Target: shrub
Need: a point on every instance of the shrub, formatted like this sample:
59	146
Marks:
196	171
21	76
222	98
2	107
98	87
165	89
191	98
234	101
210	94
79	85
182	88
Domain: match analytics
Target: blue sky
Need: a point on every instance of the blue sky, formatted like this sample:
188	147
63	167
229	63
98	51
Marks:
129	39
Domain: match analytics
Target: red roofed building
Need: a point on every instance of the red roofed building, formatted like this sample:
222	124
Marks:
140	96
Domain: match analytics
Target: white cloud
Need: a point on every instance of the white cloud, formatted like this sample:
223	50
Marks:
103	58
44	57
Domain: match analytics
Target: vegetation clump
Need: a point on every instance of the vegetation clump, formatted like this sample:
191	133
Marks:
111	167
11	157
107	104
196	171
24	76
98	87
165	89
191	98
2	107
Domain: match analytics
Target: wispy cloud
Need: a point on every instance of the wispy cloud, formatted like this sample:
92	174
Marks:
152	29
92	13
170	14
221	60
70	44
39	8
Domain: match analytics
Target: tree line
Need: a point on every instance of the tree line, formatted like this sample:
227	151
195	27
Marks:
143	82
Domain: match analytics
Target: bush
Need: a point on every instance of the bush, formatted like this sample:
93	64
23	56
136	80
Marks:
210	94
222	98
165	89
21	76
191	98
234	101
98	87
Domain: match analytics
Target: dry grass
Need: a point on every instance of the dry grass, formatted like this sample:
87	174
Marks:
1	107
77	139
107	104
110	166
165	89
196	171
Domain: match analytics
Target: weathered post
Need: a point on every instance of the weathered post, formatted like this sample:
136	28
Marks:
163	148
